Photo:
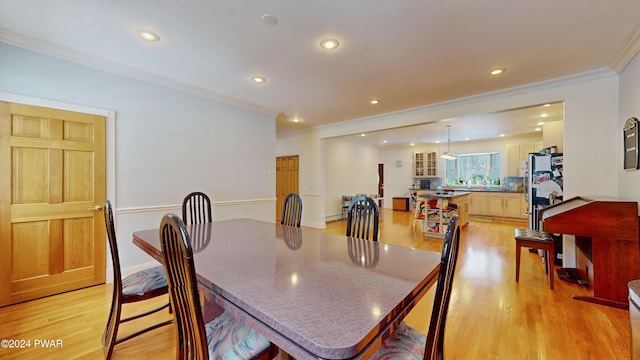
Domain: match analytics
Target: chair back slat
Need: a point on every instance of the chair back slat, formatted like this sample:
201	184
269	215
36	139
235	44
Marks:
363	218
196	208
183	288
434	348
111	331
291	210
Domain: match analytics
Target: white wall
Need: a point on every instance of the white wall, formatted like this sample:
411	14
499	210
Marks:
350	169
166	143
554	135
397	180
628	181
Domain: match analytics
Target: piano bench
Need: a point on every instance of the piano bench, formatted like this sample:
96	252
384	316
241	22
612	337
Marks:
536	240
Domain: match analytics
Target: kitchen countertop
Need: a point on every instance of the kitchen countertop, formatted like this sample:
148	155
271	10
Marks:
476	189
444	195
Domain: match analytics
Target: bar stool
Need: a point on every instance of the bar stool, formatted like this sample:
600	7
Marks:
536	240
418	215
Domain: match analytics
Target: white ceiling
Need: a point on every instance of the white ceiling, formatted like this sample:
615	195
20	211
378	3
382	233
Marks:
406	53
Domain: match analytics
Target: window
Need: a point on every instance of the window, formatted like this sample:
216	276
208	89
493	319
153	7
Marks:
480	169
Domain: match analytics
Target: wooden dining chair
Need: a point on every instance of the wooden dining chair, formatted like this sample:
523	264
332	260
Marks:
363	218
142	285
407	342
196	208
227	336
291	210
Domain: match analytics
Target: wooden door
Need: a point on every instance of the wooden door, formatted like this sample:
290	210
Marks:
286	180
52	179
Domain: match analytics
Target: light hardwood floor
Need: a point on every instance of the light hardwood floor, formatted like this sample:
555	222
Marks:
491	316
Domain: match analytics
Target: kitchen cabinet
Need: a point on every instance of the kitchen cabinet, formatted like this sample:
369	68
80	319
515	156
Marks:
431	164
478	203
495	205
516	154
418	164
463	209
498	205
512	205
425	164
524	207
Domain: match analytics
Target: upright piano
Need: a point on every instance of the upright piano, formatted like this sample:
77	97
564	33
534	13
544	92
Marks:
607	243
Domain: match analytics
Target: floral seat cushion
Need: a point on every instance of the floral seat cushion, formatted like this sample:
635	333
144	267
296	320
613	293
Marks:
144	281
405	343
230	338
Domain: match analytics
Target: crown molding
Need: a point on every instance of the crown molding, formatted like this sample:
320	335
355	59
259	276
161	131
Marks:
628	53
68	54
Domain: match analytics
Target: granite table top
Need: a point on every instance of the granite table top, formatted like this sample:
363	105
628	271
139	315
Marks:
314	295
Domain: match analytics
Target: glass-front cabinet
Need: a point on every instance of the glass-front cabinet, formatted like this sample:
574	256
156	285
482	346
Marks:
425	164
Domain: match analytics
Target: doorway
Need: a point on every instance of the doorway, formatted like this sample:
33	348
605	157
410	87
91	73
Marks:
52	187
287	180
381	180
381	185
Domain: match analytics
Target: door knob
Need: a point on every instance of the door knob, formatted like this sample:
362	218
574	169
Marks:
95	208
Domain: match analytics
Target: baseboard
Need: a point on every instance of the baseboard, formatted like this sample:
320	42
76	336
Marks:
320	225
334	217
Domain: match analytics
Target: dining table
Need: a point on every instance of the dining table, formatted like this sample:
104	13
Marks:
314	294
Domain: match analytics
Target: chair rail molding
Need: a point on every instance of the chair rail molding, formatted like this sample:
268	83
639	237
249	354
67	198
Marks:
142	209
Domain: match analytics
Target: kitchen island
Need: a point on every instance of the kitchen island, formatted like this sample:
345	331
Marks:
437	208
495	202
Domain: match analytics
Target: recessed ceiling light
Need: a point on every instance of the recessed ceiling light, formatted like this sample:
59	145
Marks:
540	123
149	35
502	135
374	102
466	139
363	135
437	141
329	44
412	144
295	120
538	129
546	105
497	71
544	115
385	141
259	79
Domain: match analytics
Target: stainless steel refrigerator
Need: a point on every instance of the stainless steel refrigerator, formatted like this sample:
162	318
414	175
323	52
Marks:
542	184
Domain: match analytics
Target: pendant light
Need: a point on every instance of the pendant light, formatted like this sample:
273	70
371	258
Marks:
448	155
